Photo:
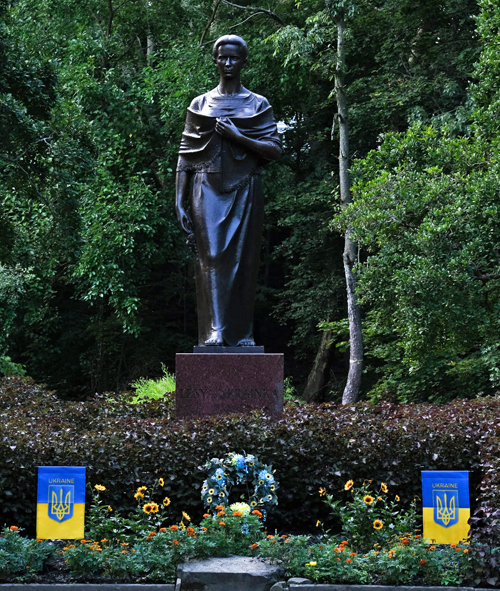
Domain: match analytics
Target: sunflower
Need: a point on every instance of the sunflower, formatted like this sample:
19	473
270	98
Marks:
138	495
166	502
397	498
377	524
322	492
383	487
161	482
100	487
110	508
368	499
154	507
186	516
148	508
348	485
211	491
141	488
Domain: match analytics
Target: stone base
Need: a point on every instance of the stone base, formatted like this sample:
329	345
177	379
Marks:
213	384
234	573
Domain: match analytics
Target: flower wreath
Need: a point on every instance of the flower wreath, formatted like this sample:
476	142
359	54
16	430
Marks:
236	469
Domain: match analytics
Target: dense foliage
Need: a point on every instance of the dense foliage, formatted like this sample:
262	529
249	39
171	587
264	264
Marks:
125	445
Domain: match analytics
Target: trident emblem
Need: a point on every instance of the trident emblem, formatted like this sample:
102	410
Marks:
445	507
60	509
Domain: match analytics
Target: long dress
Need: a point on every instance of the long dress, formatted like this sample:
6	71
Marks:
227	209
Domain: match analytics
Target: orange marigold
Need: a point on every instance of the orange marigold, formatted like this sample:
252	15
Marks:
163	529
203	529
175	542
206	514
422	562
221	523
253	546
13	528
349	560
174	528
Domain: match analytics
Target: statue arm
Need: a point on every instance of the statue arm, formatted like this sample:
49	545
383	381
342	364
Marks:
268	150
182	182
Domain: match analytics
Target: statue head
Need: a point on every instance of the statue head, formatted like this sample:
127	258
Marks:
231	40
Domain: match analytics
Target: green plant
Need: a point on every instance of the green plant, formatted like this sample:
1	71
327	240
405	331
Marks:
9	368
146	389
371	517
21	557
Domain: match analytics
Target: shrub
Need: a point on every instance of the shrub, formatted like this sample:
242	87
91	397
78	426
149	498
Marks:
154	389
20	557
313	446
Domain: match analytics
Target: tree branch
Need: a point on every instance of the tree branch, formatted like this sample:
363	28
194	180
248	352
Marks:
256	9
209	24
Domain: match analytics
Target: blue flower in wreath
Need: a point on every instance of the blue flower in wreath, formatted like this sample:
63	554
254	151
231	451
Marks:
266	477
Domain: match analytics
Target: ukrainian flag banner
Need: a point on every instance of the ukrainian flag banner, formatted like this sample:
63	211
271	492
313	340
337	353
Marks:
60	503
446	506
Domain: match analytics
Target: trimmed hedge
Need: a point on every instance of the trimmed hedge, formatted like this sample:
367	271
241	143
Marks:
313	446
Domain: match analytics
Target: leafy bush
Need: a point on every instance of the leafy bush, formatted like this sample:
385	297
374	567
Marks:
372	518
21	557
127	445
153	389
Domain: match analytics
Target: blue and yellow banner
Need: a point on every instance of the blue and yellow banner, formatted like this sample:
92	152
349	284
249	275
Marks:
446	506
60	501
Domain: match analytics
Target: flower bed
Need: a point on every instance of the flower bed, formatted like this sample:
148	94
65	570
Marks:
379	544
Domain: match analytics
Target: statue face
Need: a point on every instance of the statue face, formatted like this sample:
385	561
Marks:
229	61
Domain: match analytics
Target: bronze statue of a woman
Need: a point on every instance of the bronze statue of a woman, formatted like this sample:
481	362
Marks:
230	133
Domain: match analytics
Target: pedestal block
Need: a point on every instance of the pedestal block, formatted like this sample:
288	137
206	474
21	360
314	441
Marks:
214	384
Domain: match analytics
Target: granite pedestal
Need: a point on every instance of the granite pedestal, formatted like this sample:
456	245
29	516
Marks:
215	384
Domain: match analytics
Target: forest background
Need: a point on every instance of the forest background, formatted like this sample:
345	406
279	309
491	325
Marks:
96	282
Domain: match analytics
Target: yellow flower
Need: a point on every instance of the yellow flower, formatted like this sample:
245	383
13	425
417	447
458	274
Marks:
272	487
110	508
317	523
397	498
322	492
211	491
166	502
261	482
380	499
384	487
154	508
141	488
209	500
348	485
150	508
368	499
377	524
138	495
99	487
311	563
186	516
161	482
253	503
222	494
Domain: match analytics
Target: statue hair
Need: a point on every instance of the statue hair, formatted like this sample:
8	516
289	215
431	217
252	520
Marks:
231	40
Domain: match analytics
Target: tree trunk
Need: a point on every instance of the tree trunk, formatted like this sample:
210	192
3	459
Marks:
317	378
351	390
